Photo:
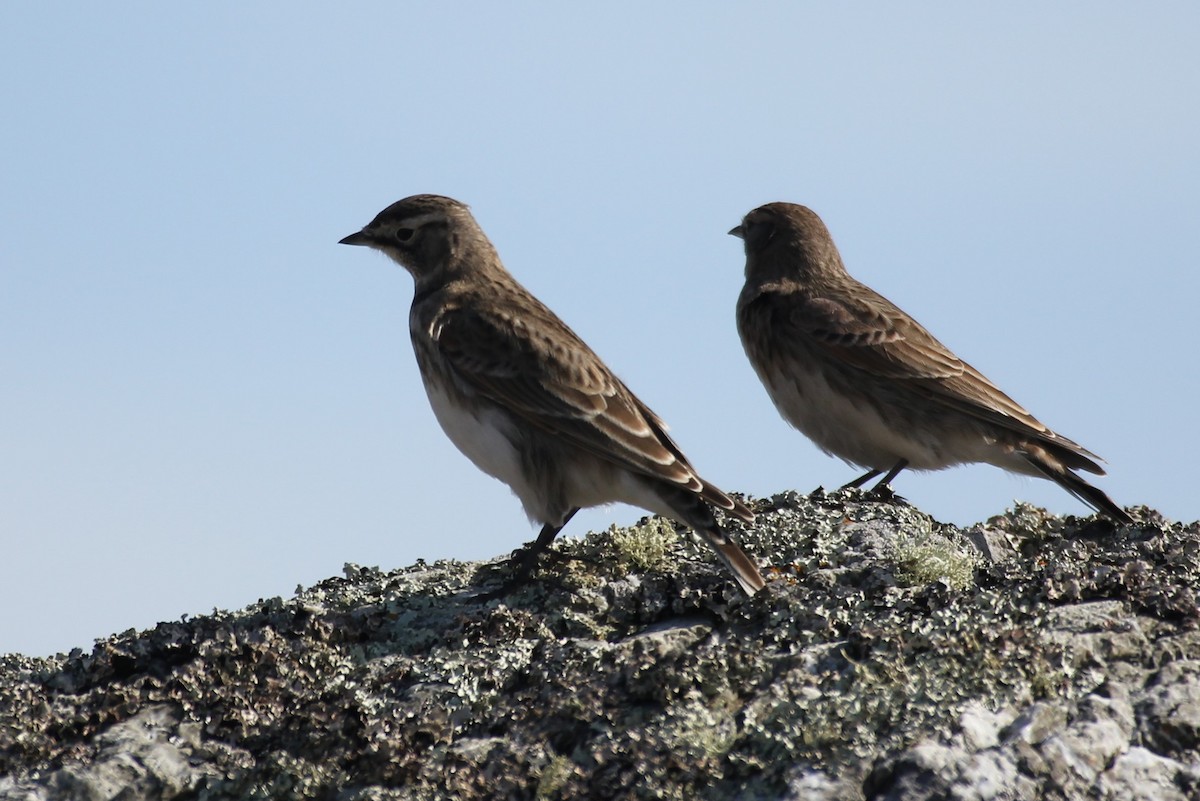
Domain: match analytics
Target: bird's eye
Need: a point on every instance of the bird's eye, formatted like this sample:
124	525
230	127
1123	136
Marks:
404	234
758	233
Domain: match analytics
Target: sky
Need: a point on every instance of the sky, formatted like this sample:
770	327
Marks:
205	400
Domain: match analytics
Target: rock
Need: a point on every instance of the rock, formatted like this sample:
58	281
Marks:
1037	722
147	756
1142	775
812	785
890	657
991	544
980	728
1170	709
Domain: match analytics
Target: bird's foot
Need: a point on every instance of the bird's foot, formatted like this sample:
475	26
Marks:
520	568
883	493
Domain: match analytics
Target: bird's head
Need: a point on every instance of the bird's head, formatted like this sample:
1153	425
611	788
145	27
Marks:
425	234
787	240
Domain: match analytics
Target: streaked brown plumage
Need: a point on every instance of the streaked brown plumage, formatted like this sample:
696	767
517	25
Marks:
866	382
525	398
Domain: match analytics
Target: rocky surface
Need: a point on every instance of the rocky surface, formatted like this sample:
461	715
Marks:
890	657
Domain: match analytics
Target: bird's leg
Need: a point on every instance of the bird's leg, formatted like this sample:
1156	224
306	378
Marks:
895	471
525	563
883	490
863	479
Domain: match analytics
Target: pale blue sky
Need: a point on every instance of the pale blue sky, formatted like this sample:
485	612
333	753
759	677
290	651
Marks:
206	400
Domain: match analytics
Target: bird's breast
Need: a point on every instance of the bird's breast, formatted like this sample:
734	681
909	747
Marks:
855	423
482	432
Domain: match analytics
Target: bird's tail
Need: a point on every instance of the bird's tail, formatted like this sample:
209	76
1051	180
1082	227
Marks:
1092	496
744	570
732	505
693	510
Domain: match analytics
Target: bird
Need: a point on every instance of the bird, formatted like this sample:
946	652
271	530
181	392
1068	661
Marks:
526	400
867	383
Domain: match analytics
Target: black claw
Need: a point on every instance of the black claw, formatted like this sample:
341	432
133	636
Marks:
525	560
883	493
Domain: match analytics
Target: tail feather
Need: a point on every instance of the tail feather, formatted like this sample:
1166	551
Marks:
694	511
1073	456
744	570
1092	496
732	505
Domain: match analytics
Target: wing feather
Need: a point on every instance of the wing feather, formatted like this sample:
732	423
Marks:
863	330
529	362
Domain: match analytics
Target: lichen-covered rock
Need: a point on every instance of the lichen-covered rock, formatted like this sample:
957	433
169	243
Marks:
152	755
890	657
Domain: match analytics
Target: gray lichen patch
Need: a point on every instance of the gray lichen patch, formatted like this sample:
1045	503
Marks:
889	656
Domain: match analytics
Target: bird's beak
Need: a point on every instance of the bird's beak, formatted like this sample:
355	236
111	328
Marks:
356	238
735	231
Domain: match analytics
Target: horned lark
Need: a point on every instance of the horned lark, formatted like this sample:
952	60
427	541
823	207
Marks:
866	382
525	399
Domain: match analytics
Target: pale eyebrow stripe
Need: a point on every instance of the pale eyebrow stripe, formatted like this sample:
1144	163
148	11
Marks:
428	217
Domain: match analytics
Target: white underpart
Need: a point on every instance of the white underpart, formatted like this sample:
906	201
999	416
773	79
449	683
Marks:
486	436
858	434
594	482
